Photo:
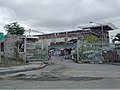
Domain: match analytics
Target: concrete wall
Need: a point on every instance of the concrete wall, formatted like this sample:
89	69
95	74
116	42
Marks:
9	47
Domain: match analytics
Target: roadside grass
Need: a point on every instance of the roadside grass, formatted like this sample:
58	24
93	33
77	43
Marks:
7	62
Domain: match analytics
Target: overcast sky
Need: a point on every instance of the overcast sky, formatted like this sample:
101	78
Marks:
59	15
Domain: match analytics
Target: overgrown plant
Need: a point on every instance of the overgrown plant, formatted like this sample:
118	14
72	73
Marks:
16	49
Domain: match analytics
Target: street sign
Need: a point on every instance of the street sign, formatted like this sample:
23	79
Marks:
1	36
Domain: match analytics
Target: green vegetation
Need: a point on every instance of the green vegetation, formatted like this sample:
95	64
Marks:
88	43
14	29
91	39
17	57
10	62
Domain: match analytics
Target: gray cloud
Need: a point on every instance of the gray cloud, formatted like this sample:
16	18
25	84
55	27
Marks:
57	15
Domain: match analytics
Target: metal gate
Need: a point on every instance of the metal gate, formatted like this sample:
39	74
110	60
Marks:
36	52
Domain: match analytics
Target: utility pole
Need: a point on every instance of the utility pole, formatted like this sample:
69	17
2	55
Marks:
66	38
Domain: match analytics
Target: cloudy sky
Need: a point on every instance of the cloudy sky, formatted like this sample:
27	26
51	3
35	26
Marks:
59	15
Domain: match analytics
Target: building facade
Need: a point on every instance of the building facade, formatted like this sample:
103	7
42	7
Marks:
102	34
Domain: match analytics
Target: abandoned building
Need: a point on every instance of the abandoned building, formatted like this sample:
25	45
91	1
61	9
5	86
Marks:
100	32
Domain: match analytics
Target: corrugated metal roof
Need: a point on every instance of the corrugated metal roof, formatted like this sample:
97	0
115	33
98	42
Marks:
107	26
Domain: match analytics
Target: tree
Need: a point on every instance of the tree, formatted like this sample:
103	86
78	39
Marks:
117	38
14	29
91	39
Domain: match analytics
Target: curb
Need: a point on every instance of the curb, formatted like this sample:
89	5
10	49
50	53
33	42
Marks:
22	70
